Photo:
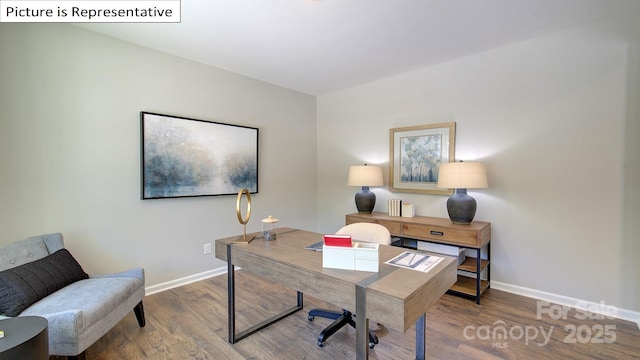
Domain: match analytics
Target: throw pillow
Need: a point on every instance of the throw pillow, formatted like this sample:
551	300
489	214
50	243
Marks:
24	285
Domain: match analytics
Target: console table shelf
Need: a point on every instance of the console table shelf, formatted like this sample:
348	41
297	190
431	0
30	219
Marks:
475	236
467	286
469	265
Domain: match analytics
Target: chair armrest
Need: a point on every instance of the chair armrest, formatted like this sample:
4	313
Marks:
137	273
63	325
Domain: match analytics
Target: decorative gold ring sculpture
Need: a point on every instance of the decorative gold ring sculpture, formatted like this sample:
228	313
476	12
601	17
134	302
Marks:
244	221
239	201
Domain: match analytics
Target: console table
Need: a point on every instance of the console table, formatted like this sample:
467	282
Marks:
476	236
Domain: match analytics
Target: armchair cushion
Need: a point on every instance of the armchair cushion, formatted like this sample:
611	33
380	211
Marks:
23	285
88	306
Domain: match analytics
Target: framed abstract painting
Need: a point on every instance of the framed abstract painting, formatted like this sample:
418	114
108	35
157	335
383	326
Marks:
184	157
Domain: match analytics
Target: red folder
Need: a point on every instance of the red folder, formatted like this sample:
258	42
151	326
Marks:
337	240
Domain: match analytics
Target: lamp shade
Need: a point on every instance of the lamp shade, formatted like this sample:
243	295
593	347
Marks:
462	175
365	175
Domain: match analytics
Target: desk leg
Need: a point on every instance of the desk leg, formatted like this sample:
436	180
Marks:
231	297
362	324
421	337
231	306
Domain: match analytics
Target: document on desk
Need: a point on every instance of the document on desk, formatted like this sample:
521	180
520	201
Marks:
415	261
315	246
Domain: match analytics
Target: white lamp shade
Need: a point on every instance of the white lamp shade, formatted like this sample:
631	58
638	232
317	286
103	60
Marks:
365	176
462	175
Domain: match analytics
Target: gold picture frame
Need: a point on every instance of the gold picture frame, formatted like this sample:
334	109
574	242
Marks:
415	152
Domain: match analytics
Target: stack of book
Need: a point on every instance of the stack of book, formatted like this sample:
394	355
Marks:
395	207
399	208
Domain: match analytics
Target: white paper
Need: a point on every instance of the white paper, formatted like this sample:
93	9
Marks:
415	261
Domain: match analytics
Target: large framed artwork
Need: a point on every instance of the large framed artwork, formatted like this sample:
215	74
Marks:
415	153
183	157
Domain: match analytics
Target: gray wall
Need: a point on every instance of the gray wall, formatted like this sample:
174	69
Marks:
554	119
70	149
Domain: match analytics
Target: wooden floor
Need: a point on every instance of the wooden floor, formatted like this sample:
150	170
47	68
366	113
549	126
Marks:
190	322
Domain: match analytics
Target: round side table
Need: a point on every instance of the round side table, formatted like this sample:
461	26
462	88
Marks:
25	337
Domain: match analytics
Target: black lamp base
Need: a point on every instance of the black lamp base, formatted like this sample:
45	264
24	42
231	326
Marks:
461	207
365	200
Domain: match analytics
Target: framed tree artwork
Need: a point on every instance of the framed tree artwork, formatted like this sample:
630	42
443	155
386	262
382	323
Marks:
415	153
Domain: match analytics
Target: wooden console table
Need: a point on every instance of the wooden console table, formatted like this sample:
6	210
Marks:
476	236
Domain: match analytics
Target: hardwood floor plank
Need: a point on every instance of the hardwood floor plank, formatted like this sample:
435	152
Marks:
190	322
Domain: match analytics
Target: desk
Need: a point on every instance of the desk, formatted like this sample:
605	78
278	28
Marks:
25	337
395	297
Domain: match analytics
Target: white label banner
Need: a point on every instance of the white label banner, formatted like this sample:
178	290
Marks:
90	11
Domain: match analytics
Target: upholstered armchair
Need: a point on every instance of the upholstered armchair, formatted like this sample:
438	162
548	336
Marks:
39	277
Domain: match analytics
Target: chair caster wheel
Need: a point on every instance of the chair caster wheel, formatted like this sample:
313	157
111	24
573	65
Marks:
311	317
320	343
371	345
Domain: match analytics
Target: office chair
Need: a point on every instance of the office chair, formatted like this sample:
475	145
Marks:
366	232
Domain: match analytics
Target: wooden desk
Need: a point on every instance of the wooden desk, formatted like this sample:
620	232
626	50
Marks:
395	297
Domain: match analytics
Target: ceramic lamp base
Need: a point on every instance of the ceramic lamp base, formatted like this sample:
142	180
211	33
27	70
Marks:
365	200
461	207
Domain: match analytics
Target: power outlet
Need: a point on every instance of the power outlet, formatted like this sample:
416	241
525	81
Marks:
206	249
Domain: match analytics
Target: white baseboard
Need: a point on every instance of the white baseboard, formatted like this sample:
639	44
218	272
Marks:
184	281
607	309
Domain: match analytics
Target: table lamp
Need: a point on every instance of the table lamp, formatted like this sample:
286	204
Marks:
462	176
365	176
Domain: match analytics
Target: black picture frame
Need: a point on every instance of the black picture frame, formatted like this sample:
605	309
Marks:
185	157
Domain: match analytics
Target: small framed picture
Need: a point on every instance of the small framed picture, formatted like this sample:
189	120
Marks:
415	154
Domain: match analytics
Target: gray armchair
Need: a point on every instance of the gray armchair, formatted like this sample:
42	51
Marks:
38	277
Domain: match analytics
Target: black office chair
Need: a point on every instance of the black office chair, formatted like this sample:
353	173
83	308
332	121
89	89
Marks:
368	232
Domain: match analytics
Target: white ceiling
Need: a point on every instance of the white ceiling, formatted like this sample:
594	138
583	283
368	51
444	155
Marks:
325	45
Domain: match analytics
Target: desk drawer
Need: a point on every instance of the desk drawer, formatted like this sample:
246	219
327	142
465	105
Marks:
454	236
394	227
